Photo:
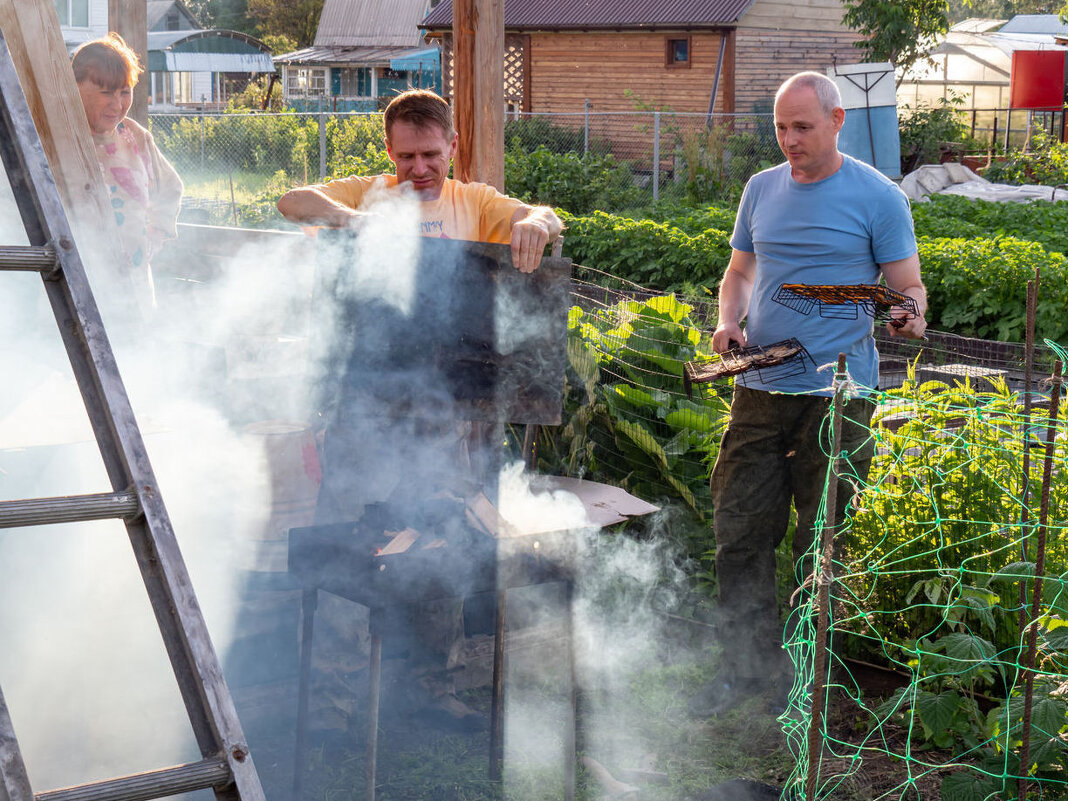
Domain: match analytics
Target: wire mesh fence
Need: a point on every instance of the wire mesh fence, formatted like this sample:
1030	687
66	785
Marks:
235	166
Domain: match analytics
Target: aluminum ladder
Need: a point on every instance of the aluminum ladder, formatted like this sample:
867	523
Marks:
226	766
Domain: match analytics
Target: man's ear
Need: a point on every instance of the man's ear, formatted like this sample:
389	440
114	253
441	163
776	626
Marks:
838	117
453	145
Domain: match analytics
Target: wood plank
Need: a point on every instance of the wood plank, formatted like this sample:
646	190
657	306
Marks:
129	19
33	36
478	90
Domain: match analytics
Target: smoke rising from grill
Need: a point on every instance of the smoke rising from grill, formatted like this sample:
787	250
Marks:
250	334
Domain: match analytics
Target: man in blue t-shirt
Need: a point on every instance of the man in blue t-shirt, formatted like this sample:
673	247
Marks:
820	218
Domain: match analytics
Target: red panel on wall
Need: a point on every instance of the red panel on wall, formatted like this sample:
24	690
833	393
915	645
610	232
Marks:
1037	79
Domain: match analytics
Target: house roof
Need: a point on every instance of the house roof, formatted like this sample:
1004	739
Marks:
352	56
371	23
207	51
1048	24
605	14
157	9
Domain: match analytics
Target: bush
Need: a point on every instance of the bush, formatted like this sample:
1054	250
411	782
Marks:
576	183
978	287
954	216
926	129
653	254
355	146
529	133
1046	164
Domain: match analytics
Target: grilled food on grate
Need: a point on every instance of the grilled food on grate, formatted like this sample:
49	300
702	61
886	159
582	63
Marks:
778	360
843	301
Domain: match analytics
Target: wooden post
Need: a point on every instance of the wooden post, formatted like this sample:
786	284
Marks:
478	90
128	18
33	36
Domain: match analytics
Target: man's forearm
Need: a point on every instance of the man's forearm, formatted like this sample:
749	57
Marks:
309	206
734	292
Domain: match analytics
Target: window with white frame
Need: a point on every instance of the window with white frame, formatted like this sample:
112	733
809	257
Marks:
308	81
73	13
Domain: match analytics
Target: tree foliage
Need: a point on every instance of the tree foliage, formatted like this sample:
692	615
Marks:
295	20
1000	9
898	31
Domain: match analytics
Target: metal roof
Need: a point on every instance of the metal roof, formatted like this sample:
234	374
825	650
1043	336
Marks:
357	56
156	9
207	51
605	14
371	23
1049	24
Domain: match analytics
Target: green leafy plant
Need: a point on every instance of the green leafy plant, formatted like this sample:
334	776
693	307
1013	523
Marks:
653	254
956	216
627	421
1045	162
978	287
578	183
928	130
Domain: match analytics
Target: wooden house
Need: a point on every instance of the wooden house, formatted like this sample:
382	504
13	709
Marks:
188	65
365	51
684	55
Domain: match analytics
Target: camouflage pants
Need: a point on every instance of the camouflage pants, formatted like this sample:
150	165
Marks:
774	452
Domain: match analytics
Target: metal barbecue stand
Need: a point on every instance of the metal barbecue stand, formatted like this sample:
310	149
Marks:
226	766
454	337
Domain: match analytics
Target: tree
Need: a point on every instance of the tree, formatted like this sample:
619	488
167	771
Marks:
899	31
229	14
1000	9
296	19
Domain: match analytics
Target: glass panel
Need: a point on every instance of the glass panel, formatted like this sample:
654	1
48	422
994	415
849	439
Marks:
680	51
79	13
63	10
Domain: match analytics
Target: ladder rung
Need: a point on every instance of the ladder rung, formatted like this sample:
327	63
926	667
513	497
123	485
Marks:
41	258
211	772
68	509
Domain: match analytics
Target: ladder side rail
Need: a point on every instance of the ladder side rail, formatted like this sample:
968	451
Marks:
194	660
35	190
14	781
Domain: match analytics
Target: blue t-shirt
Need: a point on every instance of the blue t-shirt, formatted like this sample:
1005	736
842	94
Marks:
835	231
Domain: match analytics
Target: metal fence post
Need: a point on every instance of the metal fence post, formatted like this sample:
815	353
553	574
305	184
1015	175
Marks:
656	155
322	141
586	127
202	140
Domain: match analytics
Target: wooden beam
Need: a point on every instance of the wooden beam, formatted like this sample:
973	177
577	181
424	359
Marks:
33	36
478	90
129	19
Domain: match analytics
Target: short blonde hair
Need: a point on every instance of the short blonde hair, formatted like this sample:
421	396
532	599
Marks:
108	62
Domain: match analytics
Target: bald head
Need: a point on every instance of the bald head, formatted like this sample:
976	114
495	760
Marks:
826	91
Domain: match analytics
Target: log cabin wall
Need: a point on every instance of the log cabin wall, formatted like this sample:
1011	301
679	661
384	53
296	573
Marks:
776	39
567	68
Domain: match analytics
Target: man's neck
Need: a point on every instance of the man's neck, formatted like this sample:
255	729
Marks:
821	172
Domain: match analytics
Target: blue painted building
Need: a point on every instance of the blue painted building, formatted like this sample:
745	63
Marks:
365	52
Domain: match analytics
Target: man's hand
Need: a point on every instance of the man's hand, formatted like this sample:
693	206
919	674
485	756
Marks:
727	336
904	323
532	229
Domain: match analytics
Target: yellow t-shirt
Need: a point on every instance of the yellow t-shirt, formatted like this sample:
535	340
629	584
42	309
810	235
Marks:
472	211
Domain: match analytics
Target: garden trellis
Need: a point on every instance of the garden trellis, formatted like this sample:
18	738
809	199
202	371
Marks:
949	577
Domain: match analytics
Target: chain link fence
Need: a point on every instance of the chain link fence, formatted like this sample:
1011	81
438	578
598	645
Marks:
235	166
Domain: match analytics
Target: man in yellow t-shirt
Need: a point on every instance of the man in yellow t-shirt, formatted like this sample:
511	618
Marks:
421	141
